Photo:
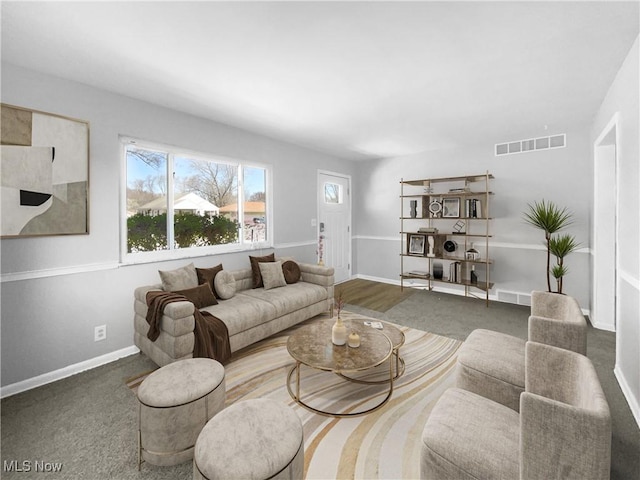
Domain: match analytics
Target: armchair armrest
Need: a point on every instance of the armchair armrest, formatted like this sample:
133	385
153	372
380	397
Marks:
558	440
561	333
557	320
564	417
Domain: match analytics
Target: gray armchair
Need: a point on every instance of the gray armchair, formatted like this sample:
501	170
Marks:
563	430
491	364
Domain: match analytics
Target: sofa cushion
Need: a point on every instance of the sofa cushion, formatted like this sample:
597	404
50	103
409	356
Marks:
242	312
290	298
272	275
208	275
179	279
225	284
291	271
201	296
470	437
491	364
255	269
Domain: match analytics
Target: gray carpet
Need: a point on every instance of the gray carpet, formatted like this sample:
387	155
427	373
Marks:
87	422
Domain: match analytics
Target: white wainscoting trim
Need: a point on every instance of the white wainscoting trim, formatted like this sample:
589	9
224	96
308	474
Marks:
55	272
492	244
374	237
96	267
65	372
628	394
296	244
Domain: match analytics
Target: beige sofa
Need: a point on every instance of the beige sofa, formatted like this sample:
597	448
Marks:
250	314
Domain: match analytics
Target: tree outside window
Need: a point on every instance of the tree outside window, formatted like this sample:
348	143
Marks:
207	198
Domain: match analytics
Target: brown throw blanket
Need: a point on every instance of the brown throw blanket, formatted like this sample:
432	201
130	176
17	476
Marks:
211	334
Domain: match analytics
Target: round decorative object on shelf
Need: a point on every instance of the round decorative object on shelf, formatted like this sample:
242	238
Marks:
450	246
435	207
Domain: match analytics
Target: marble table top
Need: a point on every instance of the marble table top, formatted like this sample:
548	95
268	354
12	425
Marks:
312	346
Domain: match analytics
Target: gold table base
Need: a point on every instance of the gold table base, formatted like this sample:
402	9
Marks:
296	395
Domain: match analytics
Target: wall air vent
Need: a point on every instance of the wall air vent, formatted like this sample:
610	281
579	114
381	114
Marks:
517	298
531	144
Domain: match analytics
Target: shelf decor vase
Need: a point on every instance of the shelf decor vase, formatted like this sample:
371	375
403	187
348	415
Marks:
339	332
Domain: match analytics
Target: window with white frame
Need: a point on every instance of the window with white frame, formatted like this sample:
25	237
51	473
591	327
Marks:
177	200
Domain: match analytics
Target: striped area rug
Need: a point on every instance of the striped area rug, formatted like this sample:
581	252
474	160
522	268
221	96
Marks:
382	444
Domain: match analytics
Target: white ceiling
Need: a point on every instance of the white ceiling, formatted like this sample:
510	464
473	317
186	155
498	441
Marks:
355	79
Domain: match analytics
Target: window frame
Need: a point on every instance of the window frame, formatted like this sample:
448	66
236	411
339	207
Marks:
172	253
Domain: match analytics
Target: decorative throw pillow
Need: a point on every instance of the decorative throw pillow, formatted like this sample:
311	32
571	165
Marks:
272	275
255	269
291	271
207	275
179	279
201	296
225	284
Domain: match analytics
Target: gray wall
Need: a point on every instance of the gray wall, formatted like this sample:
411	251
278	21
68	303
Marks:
55	290
622	98
561	175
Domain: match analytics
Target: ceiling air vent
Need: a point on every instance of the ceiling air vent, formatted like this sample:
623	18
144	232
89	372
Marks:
531	144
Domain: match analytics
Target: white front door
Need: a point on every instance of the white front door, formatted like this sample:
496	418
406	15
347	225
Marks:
334	223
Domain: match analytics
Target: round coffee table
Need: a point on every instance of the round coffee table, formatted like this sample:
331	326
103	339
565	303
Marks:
311	345
397	340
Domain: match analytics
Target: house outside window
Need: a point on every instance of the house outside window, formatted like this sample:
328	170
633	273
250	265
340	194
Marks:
182	204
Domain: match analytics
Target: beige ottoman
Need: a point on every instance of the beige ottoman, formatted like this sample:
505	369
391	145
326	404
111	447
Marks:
254	439
175	403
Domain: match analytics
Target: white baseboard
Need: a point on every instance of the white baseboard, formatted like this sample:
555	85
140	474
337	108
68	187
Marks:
609	327
437	287
626	391
376	279
49	377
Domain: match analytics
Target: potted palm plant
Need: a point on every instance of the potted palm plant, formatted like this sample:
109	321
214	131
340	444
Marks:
550	218
561	246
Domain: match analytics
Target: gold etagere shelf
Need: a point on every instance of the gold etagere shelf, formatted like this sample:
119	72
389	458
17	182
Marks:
445	223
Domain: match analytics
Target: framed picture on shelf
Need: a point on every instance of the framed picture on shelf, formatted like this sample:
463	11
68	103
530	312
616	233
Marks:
451	207
416	244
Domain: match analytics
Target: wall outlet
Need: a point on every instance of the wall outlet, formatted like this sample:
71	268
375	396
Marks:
100	333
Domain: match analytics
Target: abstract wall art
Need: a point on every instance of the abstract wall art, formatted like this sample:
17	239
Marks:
44	174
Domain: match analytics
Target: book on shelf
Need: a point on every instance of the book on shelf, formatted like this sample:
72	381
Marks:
455	272
418	273
473	208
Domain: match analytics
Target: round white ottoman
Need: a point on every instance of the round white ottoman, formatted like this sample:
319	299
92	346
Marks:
175	402
255	439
